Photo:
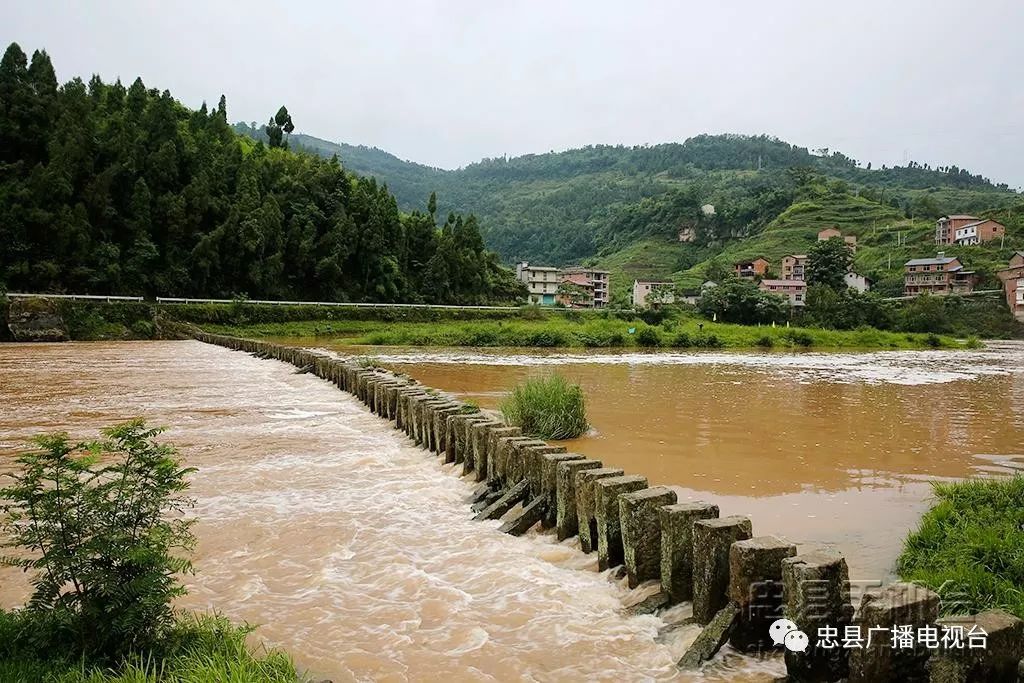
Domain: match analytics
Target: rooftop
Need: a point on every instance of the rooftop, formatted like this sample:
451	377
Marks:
959	216
937	261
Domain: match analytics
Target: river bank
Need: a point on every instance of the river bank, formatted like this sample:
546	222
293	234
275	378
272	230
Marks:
527	327
611	332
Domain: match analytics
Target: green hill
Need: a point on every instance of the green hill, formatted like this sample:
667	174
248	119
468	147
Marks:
622	208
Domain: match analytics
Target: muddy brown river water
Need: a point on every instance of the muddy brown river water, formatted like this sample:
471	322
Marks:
356	553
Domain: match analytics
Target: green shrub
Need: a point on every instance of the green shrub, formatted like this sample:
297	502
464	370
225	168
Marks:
549	408
933	340
196	649
708	341
98	525
798	338
648	337
547	338
765	342
682	341
974	343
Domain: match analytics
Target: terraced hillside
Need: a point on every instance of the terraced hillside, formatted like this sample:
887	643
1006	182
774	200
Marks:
623	207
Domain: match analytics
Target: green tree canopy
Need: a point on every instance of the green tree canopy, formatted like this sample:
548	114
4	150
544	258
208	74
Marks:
828	262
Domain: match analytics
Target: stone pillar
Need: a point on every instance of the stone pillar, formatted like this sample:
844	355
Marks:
641	532
609	530
506	445
755	587
997	661
440	426
549	485
899	604
495	470
530	459
566	521
479	436
464	442
677	546
816	590
586	503
711	541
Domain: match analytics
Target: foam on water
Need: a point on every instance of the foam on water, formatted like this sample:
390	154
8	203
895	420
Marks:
352	548
894	367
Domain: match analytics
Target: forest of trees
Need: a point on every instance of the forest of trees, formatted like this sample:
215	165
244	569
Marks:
563	207
109	189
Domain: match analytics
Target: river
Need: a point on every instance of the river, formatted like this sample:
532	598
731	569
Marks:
354	550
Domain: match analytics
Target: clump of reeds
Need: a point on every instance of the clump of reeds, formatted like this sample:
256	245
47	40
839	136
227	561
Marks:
549	408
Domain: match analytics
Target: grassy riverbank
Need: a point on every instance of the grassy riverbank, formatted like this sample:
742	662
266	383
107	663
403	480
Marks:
593	333
197	650
970	546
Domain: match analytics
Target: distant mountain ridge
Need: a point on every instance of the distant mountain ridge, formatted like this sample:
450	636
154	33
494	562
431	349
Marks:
623	207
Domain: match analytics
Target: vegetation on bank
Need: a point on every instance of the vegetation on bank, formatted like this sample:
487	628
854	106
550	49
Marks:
548	408
970	546
102	529
596	331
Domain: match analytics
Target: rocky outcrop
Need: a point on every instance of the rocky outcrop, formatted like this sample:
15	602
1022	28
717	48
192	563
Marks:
36	320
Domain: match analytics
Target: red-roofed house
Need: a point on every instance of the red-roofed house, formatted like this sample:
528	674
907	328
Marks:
1013	284
575	291
962	228
749	269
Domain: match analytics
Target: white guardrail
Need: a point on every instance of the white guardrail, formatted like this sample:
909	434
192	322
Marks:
86	297
181	300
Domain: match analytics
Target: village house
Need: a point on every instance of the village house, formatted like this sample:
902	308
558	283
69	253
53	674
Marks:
541	281
575	291
978	232
664	293
829	233
965	229
751	269
692	296
1013	284
794	266
599	281
857	282
794	290
940	275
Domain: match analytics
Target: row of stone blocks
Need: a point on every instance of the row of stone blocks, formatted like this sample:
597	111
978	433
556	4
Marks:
738	584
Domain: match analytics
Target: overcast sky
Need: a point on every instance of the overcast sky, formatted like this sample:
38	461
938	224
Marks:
448	82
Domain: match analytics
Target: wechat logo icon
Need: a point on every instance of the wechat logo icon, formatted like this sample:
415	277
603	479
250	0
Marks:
785	632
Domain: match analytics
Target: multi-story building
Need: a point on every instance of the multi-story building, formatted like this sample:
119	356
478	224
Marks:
962	228
663	293
1013	284
794	267
541	281
979	231
575	291
600	280
940	275
794	290
751	269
